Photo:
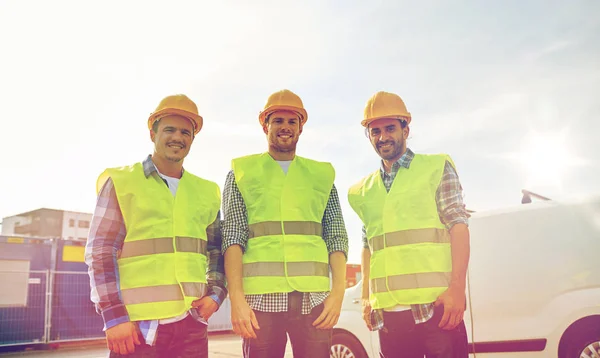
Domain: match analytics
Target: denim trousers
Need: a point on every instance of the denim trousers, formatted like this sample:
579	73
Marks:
307	341
183	339
401	337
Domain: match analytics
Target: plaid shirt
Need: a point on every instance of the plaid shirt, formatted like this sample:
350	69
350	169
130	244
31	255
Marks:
235	232
451	210
106	237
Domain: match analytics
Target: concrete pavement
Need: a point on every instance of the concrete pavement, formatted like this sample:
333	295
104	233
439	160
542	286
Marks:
220	345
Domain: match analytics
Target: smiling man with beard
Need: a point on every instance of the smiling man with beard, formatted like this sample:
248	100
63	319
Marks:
154	246
415	241
282	232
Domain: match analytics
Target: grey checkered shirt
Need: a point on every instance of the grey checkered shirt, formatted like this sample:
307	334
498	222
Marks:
451	210
234	228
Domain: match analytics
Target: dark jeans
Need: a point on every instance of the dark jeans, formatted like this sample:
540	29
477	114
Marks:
307	341
405	339
184	339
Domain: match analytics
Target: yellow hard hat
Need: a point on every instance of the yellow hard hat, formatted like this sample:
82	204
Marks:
180	105
385	105
284	100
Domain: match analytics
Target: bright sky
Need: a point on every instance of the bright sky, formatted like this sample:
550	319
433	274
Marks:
508	88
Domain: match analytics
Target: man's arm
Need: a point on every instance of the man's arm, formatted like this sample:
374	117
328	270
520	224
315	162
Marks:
105	239
336	240
461	250
454	216
215	273
365	269
235	233
106	236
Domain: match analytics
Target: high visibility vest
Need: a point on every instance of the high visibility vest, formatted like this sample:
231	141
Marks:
411	260
285	250
162	264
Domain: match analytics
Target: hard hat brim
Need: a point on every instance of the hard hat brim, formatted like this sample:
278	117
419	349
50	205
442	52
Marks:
265	113
196	120
366	122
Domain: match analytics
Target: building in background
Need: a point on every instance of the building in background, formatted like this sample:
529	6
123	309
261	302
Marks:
48	223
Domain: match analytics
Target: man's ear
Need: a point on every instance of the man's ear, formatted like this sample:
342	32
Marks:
266	128
300	129
152	135
406	132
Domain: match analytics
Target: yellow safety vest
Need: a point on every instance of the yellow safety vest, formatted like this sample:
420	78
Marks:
411	260
162	265
285	250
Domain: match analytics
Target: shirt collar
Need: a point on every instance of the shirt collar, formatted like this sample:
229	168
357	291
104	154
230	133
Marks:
150	167
403	161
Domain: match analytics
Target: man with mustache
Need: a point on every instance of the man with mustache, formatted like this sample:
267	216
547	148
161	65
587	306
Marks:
415	241
282	231
154	246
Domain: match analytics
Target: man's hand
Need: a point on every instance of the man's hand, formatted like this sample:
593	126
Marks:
123	338
366	312
331	311
243	318
205	307
453	301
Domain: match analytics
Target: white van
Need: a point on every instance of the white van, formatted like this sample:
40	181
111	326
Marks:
533	287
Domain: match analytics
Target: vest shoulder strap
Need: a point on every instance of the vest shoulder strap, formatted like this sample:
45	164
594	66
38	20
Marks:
117	173
324	167
439	159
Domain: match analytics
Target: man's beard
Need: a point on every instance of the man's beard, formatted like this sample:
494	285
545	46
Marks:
284	148
394	153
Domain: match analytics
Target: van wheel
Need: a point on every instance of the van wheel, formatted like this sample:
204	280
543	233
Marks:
344	345
585	346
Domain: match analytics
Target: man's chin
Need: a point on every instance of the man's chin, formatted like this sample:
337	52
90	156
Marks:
174	159
285	148
387	156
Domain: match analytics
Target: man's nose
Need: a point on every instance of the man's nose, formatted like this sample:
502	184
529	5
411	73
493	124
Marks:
383	136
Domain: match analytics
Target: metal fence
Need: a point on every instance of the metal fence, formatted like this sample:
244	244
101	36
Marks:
72	314
58	309
27	323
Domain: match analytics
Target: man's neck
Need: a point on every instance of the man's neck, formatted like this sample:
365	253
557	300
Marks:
281	156
168	168
389	163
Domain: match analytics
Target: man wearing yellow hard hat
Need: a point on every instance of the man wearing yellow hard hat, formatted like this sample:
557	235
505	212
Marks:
415	241
154	246
282	232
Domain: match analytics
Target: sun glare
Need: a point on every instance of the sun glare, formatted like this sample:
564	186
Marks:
545	158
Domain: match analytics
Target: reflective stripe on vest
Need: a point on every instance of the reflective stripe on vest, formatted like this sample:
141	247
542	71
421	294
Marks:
163	245
409	237
293	269
409	281
162	293
267	228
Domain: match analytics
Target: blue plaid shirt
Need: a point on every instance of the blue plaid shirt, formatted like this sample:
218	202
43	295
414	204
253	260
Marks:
451	210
